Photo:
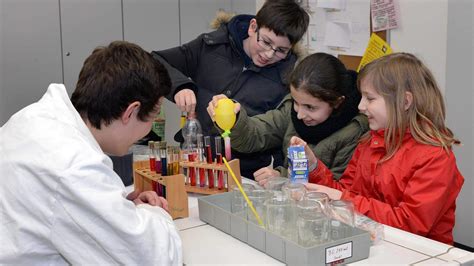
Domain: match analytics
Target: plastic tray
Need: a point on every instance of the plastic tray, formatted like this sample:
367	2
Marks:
216	211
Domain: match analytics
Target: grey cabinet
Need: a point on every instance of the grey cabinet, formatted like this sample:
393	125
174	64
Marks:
47	41
196	16
30	52
153	25
84	26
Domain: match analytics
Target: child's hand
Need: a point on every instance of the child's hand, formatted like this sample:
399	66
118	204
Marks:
332	193
211	107
295	141
148	197
262	175
185	100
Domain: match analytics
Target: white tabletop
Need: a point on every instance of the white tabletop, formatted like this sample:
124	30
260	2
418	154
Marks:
204	244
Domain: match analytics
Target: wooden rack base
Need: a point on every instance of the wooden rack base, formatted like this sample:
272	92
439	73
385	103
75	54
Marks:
174	185
234	165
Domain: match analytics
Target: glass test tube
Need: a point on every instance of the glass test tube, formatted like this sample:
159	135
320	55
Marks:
210	173
219	173
175	160
200	151
157	157
151	155
164	161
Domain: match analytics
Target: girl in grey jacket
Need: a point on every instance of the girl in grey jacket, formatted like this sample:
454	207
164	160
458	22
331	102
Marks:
321	109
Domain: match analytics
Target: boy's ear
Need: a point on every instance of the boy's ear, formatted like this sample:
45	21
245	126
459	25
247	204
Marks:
408	99
130	112
252	27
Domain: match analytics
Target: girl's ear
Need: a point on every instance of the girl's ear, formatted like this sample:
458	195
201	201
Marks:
408	99
339	102
130	112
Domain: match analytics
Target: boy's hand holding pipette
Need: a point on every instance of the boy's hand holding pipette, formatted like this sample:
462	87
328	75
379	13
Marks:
211	107
185	100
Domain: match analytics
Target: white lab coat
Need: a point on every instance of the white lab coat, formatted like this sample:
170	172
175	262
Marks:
62	203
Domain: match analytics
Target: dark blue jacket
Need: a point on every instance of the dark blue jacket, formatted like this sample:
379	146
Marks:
215	63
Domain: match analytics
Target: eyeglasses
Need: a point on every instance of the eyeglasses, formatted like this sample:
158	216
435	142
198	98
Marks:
278	52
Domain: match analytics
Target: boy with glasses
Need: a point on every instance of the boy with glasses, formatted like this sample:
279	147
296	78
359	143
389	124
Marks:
246	58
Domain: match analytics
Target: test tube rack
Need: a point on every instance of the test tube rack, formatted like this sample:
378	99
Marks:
174	185
234	165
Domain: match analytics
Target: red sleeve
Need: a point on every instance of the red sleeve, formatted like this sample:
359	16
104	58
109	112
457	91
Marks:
323	176
430	192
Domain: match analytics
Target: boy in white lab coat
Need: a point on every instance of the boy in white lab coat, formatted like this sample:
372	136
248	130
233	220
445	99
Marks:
60	200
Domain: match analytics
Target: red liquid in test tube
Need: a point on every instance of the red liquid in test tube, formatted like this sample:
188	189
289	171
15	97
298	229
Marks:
200	151
192	172
220	173
151	155
210	173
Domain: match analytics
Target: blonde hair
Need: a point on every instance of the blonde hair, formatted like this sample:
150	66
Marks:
394	75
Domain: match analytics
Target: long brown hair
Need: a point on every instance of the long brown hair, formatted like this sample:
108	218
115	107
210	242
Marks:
394	75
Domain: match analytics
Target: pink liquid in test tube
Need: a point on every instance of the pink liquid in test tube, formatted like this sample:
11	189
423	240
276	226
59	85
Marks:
227	147
220	174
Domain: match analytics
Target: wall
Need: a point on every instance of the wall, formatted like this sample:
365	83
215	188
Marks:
460	98
423	32
2	103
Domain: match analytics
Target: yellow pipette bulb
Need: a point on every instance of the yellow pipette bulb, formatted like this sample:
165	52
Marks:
224	115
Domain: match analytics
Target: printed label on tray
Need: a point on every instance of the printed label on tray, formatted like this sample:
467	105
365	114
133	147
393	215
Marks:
339	252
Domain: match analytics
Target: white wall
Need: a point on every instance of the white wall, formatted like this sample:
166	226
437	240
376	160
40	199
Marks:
423	32
459	98
2	104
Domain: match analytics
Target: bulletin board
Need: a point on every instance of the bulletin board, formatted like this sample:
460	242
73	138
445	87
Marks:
341	28
352	62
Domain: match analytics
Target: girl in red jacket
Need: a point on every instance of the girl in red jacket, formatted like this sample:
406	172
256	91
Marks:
403	172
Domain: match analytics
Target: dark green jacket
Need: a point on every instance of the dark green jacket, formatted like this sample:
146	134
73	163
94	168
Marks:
275	128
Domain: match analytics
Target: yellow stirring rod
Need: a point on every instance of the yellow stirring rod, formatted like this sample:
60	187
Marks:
243	192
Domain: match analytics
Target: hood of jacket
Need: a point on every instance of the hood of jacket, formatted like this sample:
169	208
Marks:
238	25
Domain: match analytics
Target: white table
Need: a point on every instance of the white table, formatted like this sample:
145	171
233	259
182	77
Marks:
204	244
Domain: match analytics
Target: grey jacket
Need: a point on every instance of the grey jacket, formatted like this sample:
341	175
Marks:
275	128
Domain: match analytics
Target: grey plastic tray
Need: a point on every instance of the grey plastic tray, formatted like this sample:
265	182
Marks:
216	211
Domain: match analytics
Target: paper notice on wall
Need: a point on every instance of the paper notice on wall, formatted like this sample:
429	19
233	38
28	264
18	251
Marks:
332	4
338	34
352	20
385	14
376	48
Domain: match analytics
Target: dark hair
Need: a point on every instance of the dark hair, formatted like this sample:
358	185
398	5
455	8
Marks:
322	76
284	17
113	77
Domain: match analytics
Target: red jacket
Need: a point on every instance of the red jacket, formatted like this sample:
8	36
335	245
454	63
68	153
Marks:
415	190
